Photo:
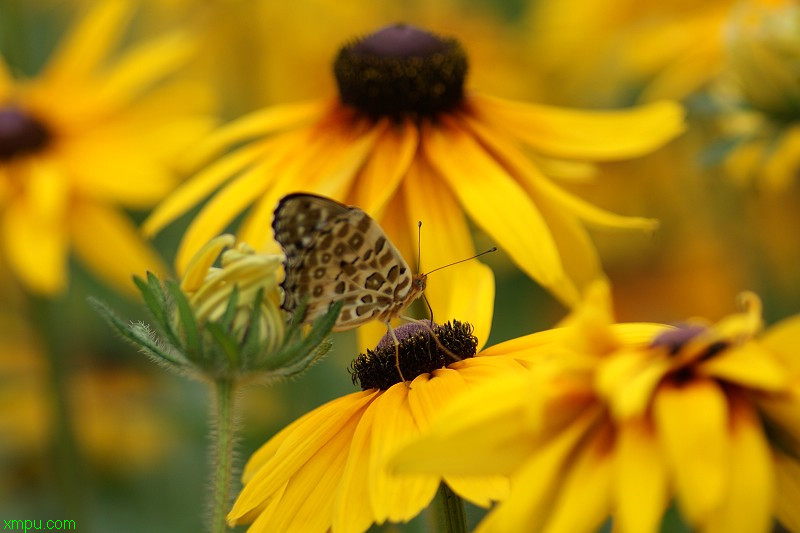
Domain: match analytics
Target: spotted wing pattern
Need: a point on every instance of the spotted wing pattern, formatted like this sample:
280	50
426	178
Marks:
335	252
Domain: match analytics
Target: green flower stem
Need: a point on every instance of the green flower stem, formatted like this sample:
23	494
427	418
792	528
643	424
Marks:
51	322
223	453
449	509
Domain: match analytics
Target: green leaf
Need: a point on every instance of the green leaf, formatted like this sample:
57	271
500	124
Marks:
299	356
194	343
134	336
226	342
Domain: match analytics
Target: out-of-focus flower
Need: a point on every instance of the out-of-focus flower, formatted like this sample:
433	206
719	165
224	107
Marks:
666	49
326	470
406	142
620	419
225	323
761	95
85	137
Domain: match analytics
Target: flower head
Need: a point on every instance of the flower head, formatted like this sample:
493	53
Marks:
327	469
406	141
85	137
620	419
225	322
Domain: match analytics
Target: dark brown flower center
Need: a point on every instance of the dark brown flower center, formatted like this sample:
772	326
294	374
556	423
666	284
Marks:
20	133
419	353
401	70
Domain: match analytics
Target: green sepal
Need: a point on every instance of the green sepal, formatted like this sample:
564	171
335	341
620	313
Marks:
297	357
194	343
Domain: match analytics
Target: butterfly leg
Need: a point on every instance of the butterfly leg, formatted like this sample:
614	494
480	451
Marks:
396	351
422	323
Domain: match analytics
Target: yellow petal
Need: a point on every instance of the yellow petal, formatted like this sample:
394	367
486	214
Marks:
386	167
587	486
308	436
307	503
111	246
495	202
500	405
640	479
750	492
692	426
221	210
142	66
351	513
35	248
535	486
445	238
628	379
787	471
782	340
580	134
783	413
400	497
541	188
749	365
89	42
6	80
201	185
779	167
259	123
198	267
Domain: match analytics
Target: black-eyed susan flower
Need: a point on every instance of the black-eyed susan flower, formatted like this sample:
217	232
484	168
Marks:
622	419
760	95
406	141
326	471
87	136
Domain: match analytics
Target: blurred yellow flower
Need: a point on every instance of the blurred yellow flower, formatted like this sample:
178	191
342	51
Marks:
761	95
405	142
326	471
620	419
85	137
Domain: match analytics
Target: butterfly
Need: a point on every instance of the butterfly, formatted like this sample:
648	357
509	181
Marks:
336	252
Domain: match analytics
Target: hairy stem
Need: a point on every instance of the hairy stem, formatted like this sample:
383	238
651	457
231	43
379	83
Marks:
222	456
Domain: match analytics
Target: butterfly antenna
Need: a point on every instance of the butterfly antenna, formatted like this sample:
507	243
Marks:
490	250
430	309
419	243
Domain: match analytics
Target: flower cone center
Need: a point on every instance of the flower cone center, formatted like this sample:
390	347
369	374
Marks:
401	70
20	133
419	353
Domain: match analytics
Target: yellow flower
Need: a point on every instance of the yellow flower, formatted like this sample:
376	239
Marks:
620	419
86	137
325	471
406	142
760	95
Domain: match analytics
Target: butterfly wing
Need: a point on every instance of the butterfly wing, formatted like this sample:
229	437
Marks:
335	252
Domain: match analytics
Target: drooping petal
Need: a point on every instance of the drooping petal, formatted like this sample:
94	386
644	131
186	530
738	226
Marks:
640	479
495	202
540	187
628	379
395	497
111	246
781	339
198	267
749	502
579	134
692	426
387	166
466	291
308	435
